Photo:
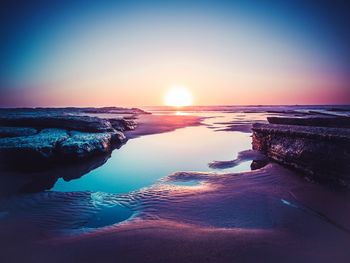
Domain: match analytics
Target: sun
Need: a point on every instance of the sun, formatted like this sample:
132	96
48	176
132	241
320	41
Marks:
178	96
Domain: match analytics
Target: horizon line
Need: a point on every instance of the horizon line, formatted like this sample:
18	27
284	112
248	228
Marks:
173	107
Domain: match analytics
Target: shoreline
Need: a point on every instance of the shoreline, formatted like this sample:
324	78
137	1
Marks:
248	240
48	145
271	213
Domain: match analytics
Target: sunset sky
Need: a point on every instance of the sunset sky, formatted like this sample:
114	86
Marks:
128	53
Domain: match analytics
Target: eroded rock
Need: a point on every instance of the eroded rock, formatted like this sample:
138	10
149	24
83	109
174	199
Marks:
40	138
320	152
31	151
335	122
123	124
82	145
16	131
80	123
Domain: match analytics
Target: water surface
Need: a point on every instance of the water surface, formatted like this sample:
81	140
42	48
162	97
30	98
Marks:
144	160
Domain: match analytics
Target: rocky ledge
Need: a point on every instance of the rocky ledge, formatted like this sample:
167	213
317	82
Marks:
41	138
335	122
322	153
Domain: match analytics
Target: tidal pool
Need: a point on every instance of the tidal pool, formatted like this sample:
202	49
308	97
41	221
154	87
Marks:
144	160
109	216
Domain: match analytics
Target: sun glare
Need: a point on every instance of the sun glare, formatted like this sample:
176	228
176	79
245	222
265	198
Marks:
178	96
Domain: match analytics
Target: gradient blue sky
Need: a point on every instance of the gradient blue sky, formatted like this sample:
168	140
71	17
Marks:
127	53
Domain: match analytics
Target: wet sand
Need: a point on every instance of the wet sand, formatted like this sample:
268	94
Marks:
153	124
269	214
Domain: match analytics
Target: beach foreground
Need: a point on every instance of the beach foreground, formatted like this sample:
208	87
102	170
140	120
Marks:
270	214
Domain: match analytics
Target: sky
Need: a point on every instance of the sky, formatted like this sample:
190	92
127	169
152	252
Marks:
128	53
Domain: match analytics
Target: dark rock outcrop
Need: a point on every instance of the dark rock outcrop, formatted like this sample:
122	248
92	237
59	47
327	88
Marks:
82	145
118	110
37	150
16	131
320	152
335	122
41	138
79	123
69	110
52	146
123	124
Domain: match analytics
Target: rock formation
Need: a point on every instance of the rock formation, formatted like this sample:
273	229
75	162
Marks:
335	122
42	138
322	153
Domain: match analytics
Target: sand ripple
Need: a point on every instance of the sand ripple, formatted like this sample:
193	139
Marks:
250	200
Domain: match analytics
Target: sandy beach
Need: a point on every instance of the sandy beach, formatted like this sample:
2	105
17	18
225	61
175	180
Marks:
270	213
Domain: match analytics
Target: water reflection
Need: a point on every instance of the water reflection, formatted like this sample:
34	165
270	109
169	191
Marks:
142	161
108	215
15	181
